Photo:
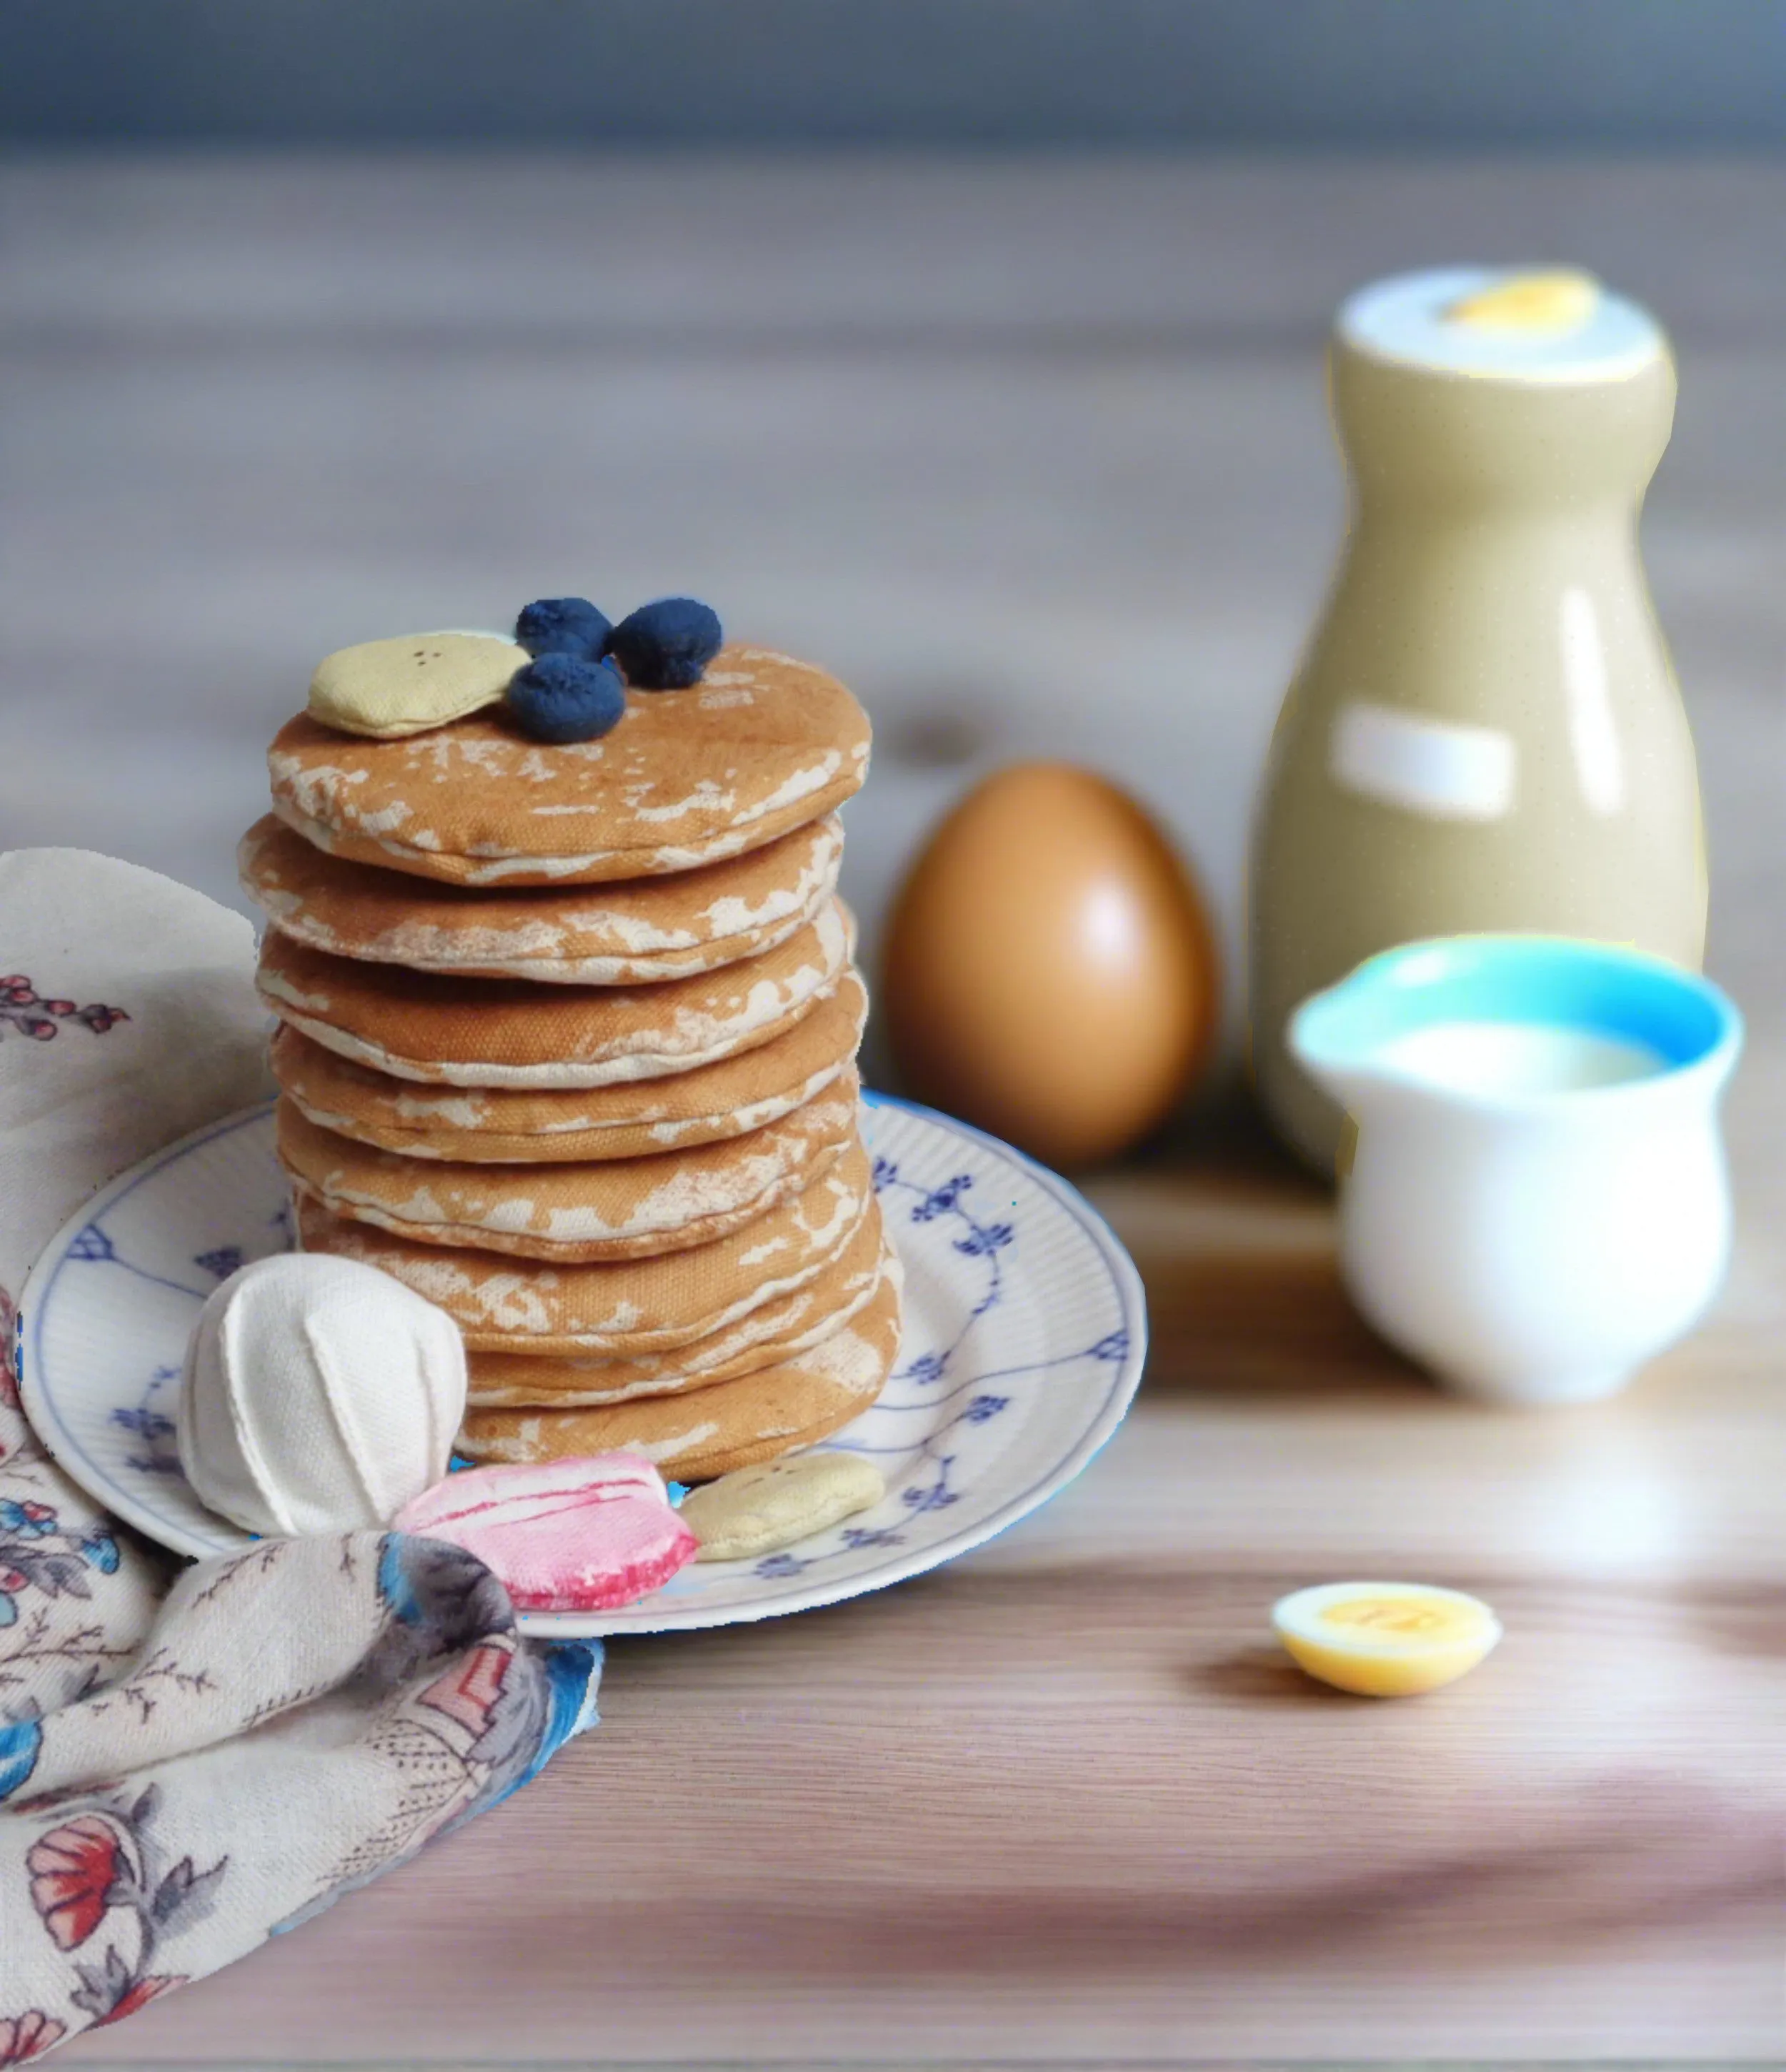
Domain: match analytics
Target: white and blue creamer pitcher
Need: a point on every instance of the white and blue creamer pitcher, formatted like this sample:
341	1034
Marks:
1535	1200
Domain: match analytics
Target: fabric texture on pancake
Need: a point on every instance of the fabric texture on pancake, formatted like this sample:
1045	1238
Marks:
508	1032
763	745
616	1308
634	933
566	1041
620	1208
696	1437
788	1324
627	1119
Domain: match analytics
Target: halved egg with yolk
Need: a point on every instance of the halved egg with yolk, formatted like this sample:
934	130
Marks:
1385	1640
1553	302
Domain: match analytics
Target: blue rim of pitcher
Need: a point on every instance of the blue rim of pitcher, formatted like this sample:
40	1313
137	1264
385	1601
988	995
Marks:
1557	981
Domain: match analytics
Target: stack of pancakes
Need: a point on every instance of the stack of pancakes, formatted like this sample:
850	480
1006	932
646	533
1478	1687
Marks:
567	1045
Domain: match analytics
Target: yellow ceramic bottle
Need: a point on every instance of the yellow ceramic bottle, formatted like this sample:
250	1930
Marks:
1485	733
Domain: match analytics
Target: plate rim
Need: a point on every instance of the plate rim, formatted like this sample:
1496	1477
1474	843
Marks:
40	1414
1127	1277
1126	1377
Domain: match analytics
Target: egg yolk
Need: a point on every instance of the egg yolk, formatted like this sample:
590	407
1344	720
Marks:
1385	1640
1549	304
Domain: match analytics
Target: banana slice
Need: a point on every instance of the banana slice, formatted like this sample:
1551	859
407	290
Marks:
1547	304
389	689
1385	1640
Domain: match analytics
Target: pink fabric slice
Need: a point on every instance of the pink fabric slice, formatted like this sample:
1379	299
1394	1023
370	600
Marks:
572	1536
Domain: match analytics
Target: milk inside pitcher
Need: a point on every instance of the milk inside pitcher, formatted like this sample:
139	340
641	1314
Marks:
1485	734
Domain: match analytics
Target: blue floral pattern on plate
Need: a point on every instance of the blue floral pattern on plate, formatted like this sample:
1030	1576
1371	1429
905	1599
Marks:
1024	1337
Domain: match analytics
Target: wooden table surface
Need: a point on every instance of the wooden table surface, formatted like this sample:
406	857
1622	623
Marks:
1035	456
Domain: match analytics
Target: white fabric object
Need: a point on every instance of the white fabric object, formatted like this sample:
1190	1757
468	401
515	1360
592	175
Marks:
79	1107
319	1396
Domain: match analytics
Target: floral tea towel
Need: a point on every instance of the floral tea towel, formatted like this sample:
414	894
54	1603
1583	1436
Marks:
191	1761
128	1017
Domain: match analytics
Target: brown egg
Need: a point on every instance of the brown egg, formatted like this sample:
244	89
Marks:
1049	972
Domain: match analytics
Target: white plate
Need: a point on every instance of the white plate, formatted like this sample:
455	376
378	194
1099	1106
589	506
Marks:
1025	1332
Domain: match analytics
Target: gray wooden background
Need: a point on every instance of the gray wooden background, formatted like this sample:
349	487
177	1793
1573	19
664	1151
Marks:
1032	452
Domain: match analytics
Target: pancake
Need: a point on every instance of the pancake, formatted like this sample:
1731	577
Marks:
617	1308
638	933
488	1032
695	1437
631	1119
763	745
774	1331
619	1208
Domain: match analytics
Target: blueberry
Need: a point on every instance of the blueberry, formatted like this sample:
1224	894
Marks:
561	698
665	645
563	626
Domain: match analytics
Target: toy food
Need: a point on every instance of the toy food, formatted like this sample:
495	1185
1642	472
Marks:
1485	734
319	1396
517	1126
467	1033
1050	973
619	1308
708	1431
666	646
568	1022
560	698
1385	1640
762	745
1557	301
771	1331
388	689
653	929
757	1511
584	1534
608	1208
1536	1202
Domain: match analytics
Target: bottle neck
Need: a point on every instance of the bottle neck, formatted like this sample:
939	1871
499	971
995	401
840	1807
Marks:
1421	446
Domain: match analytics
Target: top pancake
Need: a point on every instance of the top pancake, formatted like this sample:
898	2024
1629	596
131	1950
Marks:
762	745
625	934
